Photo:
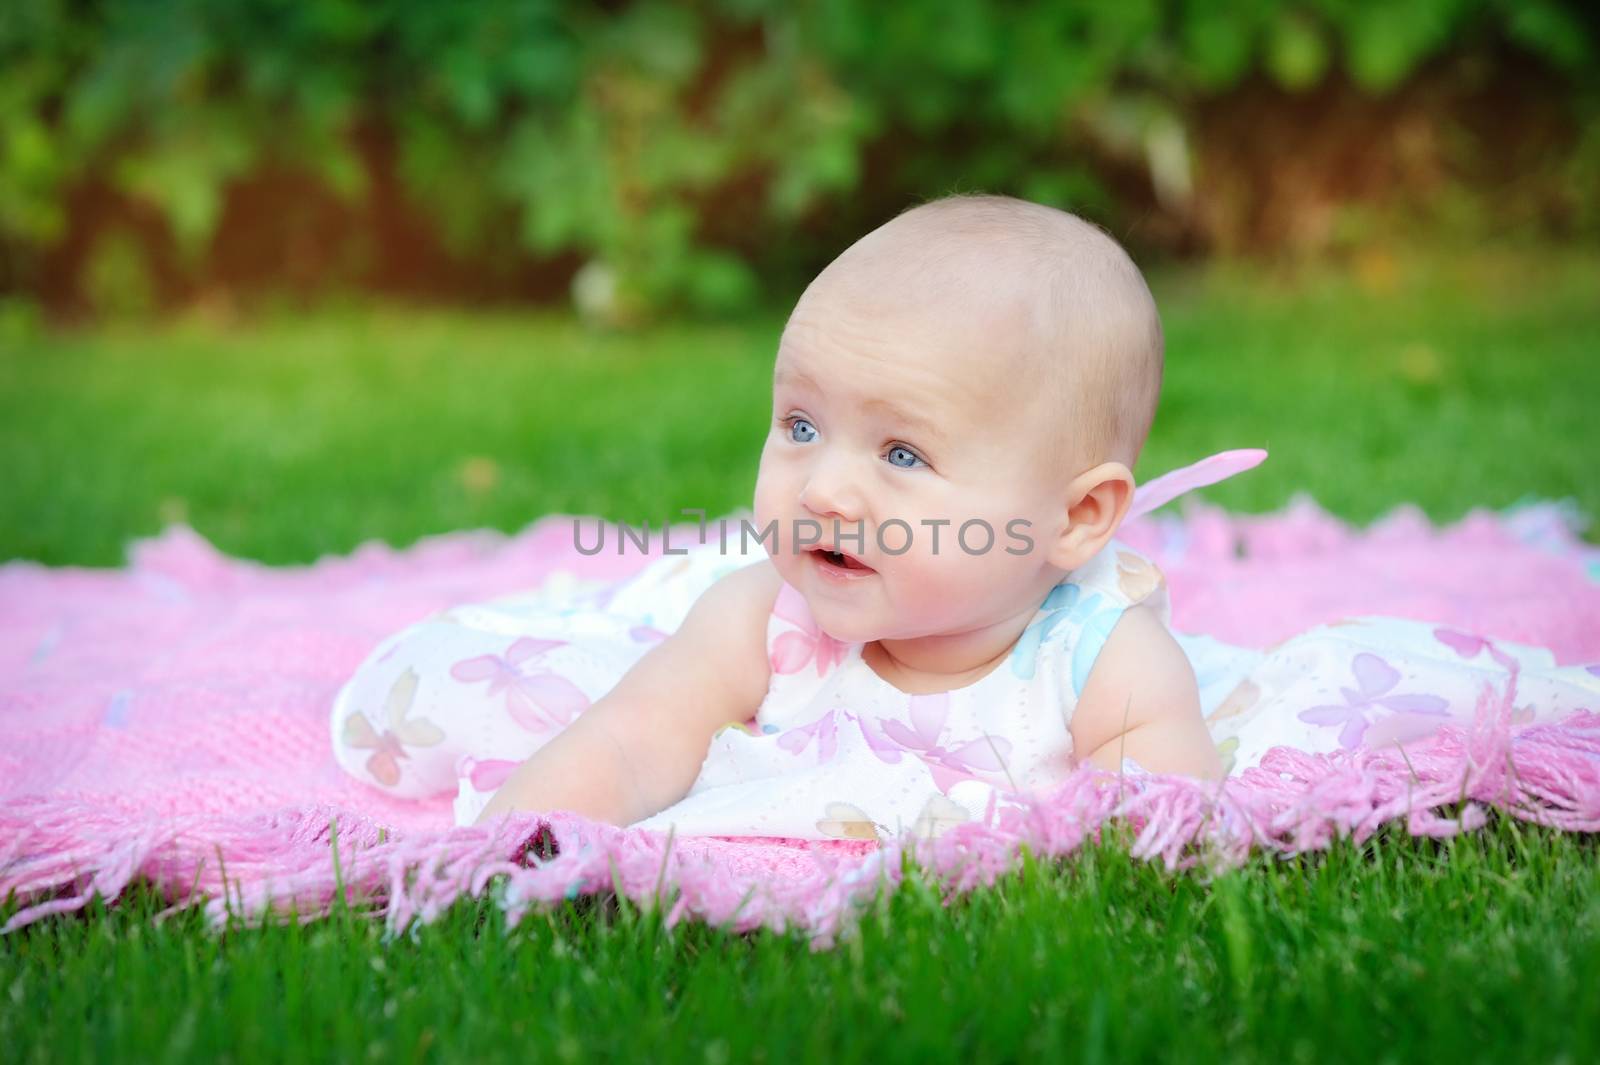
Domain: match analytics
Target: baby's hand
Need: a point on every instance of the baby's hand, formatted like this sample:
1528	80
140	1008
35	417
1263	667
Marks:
1142	702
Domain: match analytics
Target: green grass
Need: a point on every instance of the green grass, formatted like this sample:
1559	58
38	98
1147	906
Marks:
1450	384
1483	948
1463	384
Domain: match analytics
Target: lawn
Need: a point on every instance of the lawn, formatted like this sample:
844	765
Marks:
1448	382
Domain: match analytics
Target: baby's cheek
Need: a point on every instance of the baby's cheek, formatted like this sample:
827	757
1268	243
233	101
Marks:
762	505
768	510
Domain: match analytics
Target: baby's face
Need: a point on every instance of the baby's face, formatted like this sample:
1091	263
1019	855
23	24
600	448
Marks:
913	425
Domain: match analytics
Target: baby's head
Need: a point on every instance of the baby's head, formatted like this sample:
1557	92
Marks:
980	361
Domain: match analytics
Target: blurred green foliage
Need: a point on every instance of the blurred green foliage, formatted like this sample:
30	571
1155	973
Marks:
623	138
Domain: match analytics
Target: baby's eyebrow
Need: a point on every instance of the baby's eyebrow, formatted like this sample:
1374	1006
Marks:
920	425
784	375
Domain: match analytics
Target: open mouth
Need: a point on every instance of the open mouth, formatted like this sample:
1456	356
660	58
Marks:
840	561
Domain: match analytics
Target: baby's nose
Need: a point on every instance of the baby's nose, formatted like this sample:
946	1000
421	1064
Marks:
831	492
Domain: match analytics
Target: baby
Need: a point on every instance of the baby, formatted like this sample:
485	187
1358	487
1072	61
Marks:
958	402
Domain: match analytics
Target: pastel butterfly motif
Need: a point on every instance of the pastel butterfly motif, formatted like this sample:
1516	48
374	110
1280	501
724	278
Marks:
388	747
1137	576
485	774
599	598
1243	696
1091	638
825	730
1467	645
791	651
845	820
1067	602
1057	606
1375	677
949	766
535	700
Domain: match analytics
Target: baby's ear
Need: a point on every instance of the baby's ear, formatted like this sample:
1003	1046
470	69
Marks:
1096	502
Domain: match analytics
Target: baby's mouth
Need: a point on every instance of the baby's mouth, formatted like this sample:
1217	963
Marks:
841	561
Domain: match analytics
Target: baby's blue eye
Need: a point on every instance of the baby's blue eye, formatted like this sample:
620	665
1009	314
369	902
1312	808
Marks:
797	425
898	456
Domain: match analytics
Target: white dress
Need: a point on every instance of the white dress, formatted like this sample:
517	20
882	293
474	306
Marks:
837	751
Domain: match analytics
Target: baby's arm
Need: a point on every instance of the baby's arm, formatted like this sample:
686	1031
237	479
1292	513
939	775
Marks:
638	749
1142	701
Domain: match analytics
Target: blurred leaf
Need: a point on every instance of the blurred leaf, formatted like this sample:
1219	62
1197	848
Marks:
1553	32
31	167
717	282
1385	42
558	174
471	91
1296	53
1069	188
1217	41
339	167
117	280
661	38
185	178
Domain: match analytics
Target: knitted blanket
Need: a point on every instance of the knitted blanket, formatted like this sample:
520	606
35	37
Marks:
169	722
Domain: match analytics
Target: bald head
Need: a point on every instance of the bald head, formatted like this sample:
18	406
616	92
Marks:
1064	313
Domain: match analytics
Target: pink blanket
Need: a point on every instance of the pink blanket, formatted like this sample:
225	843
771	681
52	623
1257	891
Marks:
169	721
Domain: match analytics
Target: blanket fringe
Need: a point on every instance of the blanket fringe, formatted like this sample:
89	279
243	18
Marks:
56	854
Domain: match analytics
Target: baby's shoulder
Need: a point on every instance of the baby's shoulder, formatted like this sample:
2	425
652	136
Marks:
741	600
1114	614
728	623
1138	675
1077	618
